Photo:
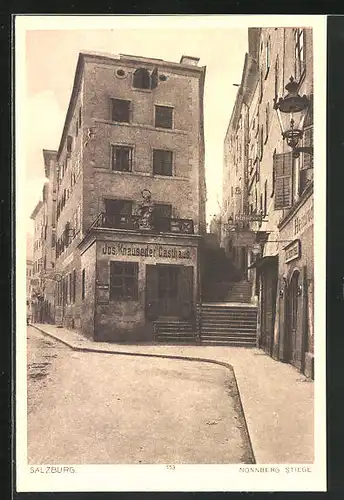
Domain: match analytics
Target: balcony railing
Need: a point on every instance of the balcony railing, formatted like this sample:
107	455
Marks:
135	222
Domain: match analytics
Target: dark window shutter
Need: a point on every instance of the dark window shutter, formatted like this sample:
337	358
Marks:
186	290
307	142
152	298
154	78
283	170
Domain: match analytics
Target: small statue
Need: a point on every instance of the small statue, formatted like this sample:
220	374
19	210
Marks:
146	211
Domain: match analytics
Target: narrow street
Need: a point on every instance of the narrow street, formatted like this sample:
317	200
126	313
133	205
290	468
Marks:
89	408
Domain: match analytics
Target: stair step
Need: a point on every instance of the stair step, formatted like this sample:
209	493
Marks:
233	343
229	339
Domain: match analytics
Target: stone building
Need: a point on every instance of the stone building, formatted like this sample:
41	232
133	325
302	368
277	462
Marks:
130	210
44	214
279	195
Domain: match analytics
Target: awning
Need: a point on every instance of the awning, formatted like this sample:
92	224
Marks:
264	262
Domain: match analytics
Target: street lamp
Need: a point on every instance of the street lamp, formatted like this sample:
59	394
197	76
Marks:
287	107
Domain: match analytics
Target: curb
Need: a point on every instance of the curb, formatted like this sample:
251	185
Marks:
163	356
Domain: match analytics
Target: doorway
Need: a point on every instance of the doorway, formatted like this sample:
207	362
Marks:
168	277
291	318
169	291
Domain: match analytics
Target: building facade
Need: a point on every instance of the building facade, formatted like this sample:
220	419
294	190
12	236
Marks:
279	198
130	187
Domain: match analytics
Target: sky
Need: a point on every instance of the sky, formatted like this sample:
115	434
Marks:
51	58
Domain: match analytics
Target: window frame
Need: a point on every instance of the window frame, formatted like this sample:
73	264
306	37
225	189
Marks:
267	56
156	106
299	63
113	148
83	284
113	101
154	151
125	277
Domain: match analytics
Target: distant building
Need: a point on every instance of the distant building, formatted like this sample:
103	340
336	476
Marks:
276	201
29	273
44	217
130	196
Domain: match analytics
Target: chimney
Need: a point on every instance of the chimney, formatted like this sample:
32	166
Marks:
189	60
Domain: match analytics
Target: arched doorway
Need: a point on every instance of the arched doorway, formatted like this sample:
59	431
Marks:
291	322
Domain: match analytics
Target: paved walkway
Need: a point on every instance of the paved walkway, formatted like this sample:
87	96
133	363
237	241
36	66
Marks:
277	399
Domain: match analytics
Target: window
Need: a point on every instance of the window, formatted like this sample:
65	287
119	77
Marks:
266	197
73	285
123	280
261	142
69	143
120	110
141	79
114	207
83	284
144	80
163	116
306	170
267	56
276	78
163	210
162	162
261	87
122	158
300	63
283	171
70	288
267	121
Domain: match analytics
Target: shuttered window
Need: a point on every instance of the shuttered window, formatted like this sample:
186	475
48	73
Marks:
283	171
306	170
307	142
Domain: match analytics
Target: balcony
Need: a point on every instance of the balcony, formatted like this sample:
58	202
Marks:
136	223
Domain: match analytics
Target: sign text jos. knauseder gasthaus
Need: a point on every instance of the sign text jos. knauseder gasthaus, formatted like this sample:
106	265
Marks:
154	251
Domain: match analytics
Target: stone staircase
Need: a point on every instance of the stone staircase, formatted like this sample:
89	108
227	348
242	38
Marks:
228	324
174	331
240	292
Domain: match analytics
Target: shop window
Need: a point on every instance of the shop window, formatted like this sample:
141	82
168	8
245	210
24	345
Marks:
163	116
123	280
83	284
162	162
122	158
300	62
120	110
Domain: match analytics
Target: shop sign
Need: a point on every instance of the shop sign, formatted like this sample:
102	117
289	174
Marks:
154	251
243	238
303	220
293	251
103	294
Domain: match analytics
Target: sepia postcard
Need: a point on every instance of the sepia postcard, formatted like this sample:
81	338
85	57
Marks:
170	213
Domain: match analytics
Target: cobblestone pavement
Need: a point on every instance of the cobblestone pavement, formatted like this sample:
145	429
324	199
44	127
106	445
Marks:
88	408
